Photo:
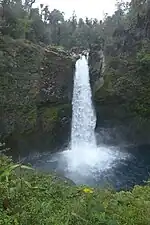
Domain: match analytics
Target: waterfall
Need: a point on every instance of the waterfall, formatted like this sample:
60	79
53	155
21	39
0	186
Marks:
83	150
83	116
83	161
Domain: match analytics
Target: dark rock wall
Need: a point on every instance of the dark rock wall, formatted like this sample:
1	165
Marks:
122	98
36	91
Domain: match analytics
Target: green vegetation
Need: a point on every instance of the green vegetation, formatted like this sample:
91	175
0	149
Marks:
42	199
19	78
126	91
52	116
35	44
21	20
26	68
35	79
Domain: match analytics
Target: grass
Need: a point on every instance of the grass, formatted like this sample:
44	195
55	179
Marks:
44	199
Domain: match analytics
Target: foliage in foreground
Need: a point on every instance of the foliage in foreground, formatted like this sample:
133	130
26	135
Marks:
41	199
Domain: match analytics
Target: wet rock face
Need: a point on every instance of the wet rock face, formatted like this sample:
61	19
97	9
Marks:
36	90
95	61
57	78
120	96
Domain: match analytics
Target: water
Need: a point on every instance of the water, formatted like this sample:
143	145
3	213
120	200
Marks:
83	150
83	161
83	116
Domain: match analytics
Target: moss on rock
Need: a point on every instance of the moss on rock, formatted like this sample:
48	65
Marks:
53	116
126	94
32	77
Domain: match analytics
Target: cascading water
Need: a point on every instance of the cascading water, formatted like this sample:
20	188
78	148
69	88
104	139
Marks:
83	161
85	158
83	143
83	117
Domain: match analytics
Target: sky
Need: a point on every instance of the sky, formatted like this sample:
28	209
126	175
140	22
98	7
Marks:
83	8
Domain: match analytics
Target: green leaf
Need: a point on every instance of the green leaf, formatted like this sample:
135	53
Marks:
26	167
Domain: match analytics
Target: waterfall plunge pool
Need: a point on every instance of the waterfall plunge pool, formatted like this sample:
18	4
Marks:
83	161
115	167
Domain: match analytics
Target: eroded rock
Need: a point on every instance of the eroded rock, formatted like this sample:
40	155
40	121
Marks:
36	91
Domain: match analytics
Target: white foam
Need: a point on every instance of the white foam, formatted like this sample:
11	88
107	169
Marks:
84	158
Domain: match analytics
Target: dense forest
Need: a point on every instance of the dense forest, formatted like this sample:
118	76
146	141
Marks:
129	23
27	68
36	81
40	25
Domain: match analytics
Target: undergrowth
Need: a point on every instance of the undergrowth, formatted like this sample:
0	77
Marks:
31	198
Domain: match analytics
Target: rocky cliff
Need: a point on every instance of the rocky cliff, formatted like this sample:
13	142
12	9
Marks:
96	62
36	92
122	98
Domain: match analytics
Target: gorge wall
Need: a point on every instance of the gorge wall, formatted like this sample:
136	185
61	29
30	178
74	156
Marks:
122	92
36	92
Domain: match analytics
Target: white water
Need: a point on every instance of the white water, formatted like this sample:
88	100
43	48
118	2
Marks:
85	158
83	117
84	162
